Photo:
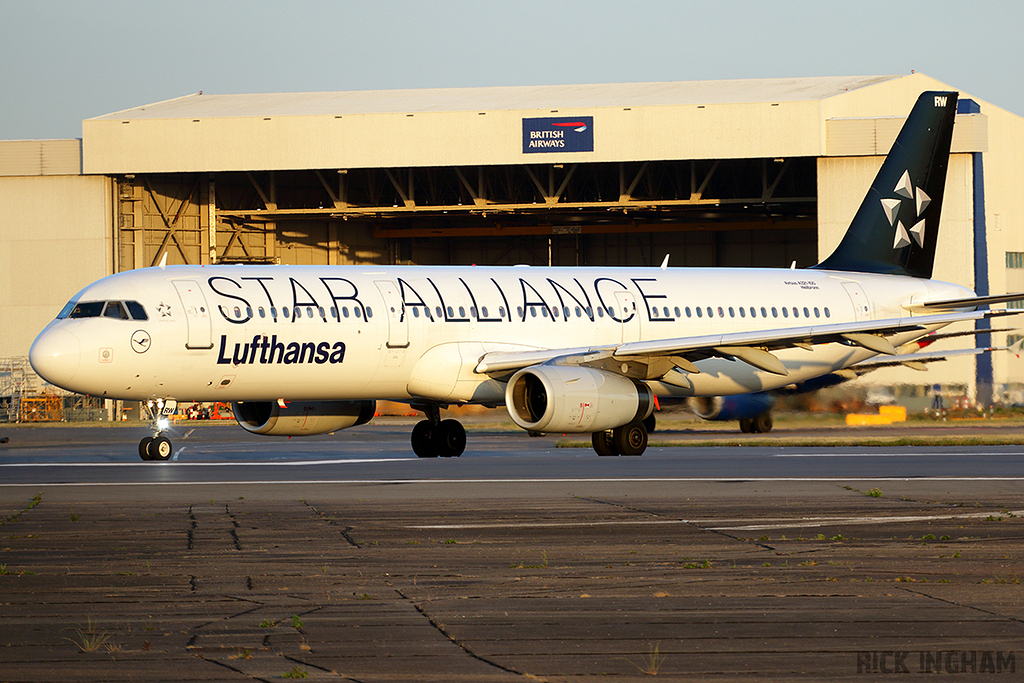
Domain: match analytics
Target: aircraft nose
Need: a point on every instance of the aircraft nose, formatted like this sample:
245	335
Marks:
55	356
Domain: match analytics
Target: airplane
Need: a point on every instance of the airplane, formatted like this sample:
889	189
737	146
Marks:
306	350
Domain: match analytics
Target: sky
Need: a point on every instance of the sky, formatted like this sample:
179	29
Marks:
64	61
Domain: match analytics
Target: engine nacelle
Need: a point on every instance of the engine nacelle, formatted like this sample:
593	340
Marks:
558	398
724	408
301	419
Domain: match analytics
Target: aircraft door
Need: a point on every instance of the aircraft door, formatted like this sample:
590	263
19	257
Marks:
861	306
627	314
398	326
197	314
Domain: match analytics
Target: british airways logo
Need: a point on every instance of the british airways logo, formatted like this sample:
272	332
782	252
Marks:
269	351
558	134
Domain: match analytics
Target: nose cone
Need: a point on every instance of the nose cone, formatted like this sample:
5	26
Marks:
55	356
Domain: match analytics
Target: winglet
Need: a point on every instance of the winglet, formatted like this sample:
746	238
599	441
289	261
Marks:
163	261
664	264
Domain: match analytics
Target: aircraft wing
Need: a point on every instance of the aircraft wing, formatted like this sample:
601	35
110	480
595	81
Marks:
753	347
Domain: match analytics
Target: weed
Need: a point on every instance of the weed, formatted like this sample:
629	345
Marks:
449	541
544	556
366	596
808	563
706	564
906	579
297	623
928	537
267	623
838	537
244	653
651	662
874	493
89	639
3	570
74	517
296	672
767	564
35	501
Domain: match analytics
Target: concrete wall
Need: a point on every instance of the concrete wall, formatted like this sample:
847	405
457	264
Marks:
55	238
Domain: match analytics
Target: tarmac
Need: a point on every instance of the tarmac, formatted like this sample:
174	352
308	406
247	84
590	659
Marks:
570	579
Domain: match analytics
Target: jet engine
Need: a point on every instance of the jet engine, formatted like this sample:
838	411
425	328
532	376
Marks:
301	418
558	398
724	408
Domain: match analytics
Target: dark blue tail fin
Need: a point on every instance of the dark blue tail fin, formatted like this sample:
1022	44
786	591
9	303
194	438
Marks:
897	225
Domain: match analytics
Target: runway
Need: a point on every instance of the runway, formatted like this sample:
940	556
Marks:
343	558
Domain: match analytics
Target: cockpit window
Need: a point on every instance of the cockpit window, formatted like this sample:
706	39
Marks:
87	309
119	310
114	309
136	309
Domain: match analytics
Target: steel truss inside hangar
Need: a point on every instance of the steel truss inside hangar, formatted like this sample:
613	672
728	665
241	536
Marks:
726	212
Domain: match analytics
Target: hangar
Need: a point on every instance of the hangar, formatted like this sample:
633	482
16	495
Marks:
712	173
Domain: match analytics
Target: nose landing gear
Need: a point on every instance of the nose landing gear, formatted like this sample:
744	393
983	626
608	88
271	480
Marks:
158	446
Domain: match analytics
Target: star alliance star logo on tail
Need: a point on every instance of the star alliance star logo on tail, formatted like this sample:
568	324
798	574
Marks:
891	206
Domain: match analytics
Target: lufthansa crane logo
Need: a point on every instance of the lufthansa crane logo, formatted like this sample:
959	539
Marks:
141	341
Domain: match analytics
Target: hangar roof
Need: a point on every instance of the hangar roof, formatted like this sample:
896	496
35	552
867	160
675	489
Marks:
492	126
498	98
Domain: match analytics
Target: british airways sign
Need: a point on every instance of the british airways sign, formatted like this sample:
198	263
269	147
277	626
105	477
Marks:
558	134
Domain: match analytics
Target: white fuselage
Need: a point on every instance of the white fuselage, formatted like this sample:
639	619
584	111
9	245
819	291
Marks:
234	333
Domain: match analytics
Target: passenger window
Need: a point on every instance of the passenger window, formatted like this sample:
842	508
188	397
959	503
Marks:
711	313
451	312
544	311
297	312
501	311
533	311
115	310
699	314
440	314
764	313
483	310
344	311
796	312
415	311
369	312
687	309
753	312
273	312
334	312
806	313
600	311
263	314
732	313
817	314
284	311
721	313
519	312
654	312
743	312
775	312
677	311
136	310
827	315
554	312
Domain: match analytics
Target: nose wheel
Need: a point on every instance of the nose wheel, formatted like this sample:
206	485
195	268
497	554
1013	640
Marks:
156	448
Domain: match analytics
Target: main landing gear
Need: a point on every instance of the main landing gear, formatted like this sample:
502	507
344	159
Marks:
629	439
434	437
761	424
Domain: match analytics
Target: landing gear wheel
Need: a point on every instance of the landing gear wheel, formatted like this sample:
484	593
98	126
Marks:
762	424
160	448
746	425
449	439
603	443
422	443
630	439
144	448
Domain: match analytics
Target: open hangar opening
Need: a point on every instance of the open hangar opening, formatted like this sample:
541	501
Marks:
730	173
